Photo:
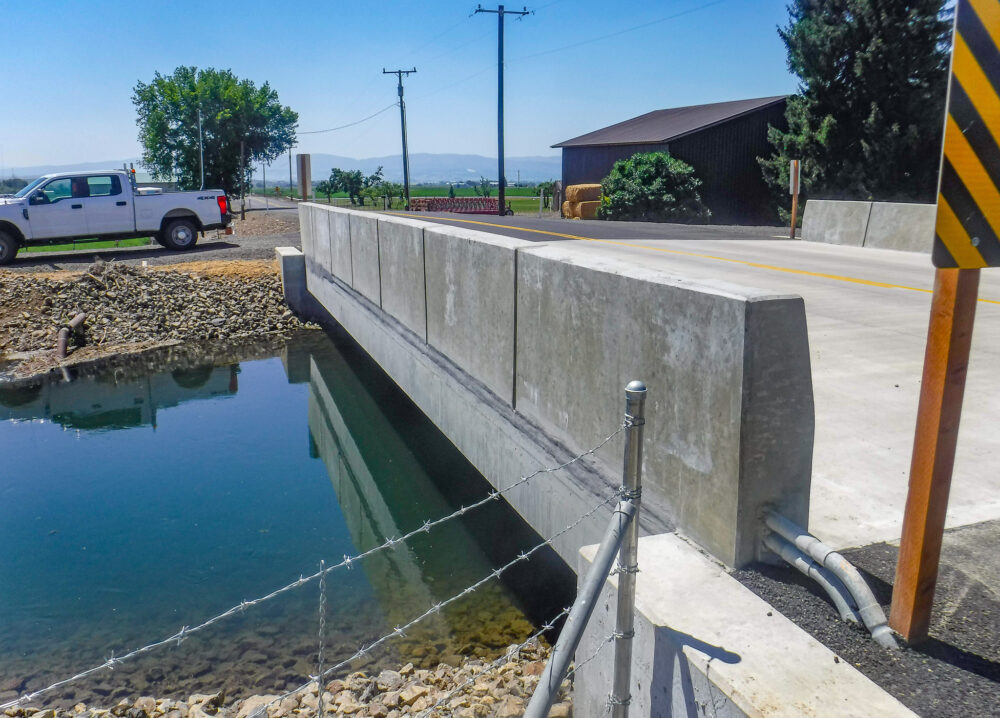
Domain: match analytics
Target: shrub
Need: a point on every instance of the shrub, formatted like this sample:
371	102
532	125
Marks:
653	187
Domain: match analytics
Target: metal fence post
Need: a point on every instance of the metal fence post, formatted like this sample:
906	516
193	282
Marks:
635	404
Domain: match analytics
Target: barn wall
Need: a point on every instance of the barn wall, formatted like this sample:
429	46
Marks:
724	158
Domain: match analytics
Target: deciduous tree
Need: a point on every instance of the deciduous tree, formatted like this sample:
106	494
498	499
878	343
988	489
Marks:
232	110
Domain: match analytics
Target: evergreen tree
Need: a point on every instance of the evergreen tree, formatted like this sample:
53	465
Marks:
868	118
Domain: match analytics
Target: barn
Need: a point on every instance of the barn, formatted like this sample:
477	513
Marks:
722	141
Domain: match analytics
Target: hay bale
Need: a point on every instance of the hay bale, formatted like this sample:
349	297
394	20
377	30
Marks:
583	192
567	209
587	210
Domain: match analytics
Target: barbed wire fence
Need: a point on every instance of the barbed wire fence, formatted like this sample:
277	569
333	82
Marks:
322	671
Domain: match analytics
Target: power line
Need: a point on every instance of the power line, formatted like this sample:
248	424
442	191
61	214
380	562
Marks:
622	32
351	124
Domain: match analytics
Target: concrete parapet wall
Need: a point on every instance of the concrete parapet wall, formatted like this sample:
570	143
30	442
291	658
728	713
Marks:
898	225
471	302
835	221
882	225
364	256
730	395
706	645
401	268
554	334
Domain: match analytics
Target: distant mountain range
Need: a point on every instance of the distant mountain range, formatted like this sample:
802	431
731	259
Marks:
424	168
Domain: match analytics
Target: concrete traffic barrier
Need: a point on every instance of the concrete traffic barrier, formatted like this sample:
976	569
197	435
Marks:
471	302
364	256
401	267
901	225
835	221
340	245
730	412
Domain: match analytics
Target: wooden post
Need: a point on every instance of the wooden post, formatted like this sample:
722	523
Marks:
949	337
793	188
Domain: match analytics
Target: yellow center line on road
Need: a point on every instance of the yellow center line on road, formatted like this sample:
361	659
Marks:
683	253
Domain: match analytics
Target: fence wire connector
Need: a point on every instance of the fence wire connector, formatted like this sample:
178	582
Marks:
631	421
426	528
347	562
619	569
436	608
182	634
112	662
631	494
244	605
614	701
627	635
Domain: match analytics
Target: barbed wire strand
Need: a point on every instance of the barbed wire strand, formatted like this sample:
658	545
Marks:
348	561
490	667
260	711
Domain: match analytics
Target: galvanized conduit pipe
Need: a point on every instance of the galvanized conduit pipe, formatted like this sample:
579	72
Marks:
827	581
562	655
868	608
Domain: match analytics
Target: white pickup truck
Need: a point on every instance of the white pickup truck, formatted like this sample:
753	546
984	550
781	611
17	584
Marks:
74	206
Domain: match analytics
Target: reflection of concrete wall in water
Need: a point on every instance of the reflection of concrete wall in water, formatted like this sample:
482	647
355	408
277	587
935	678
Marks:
383	492
87	403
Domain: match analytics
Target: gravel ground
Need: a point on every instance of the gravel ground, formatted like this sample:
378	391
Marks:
133	308
255	238
957	671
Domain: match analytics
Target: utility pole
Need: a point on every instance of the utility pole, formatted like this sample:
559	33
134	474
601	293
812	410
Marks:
402	121
243	186
201	151
500	12
290	185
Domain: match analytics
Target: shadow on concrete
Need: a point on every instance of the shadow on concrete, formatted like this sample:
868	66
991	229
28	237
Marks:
83	256
672	668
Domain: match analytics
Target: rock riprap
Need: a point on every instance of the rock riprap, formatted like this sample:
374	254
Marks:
480	689
126	304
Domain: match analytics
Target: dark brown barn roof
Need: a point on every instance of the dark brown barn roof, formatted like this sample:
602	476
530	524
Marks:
666	125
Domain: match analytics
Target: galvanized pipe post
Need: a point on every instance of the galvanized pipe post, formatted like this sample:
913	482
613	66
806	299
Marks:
635	420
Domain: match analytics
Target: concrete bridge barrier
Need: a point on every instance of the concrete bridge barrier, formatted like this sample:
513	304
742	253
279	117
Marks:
884	225
551	335
521	360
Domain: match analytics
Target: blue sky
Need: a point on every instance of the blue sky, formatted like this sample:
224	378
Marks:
72	66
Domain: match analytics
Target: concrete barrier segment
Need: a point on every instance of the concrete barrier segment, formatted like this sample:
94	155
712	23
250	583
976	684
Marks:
471	302
401	267
835	221
729	415
903	226
364	256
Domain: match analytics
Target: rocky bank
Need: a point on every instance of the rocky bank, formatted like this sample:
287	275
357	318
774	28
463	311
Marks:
132	308
474	689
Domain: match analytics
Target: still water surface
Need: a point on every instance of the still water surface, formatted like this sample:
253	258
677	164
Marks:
133	505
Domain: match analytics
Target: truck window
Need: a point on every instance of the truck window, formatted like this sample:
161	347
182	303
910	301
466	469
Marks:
104	185
58	189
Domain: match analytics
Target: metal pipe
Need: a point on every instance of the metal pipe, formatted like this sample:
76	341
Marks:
62	341
827	581
868	608
569	639
635	421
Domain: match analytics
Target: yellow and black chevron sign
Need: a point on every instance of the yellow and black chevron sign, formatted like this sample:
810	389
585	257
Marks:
968	217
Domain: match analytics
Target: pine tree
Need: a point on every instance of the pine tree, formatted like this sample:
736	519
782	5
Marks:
868	117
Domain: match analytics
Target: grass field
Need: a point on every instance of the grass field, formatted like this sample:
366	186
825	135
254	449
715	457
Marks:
85	245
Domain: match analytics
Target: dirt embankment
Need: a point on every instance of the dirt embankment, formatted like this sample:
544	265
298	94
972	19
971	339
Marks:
133	308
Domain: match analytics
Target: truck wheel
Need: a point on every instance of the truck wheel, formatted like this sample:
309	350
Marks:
8	248
180	234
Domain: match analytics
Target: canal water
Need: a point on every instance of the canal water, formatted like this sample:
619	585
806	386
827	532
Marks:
132	504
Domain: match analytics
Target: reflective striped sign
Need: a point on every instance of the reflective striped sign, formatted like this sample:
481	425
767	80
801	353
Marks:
967	234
